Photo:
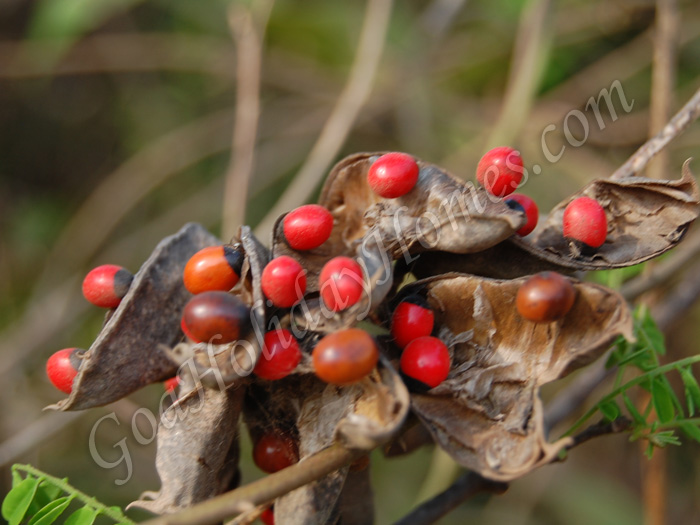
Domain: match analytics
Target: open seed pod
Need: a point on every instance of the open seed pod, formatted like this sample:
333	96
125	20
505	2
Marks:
219	366
363	416
128	353
487	414
441	212
197	455
646	217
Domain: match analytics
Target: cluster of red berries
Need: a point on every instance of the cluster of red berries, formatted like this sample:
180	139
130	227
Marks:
500	171
425	360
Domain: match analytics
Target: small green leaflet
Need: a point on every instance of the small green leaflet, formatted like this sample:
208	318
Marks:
692	390
84	516
610	410
51	512
17	501
663	402
636	416
691	430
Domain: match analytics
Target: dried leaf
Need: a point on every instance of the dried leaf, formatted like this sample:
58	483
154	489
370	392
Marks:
197	456
442	212
128	353
487	414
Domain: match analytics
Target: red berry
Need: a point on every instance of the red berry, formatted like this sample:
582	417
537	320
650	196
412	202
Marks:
268	516
62	367
500	171
213	268
307	227
341	283
218	317
105	285
529	207
280	355
393	175
427	360
275	451
545	297
585	221
283	281
411	321
345	357
171	384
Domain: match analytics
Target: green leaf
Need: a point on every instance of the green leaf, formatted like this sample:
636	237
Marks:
661	439
632	409
610	410
51	512
691	430
16	478
17	501
692	389
84	516
663	400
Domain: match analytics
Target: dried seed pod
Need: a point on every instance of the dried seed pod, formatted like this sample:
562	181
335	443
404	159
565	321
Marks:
441	212
487	414
128	353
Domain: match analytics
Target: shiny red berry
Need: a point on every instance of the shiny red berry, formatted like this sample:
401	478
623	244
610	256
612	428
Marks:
280	355
426	360
171	384
345	357
500	171
307	227
268	516
528	207
393	175
274	452
284	281
411	319
213	268
62	367
219	317
545	297
106	285
585	221
341	283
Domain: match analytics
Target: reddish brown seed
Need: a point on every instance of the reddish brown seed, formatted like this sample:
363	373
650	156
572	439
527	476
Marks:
345	357
274	452
219	317
545	297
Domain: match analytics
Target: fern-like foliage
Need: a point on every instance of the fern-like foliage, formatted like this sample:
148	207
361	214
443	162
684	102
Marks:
37	498
665	413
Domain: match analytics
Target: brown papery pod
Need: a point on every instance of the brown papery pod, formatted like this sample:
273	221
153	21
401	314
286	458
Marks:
487	415
129	351
646	217
441	212
363	416
198	454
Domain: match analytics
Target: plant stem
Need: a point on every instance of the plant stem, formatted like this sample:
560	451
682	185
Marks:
111	512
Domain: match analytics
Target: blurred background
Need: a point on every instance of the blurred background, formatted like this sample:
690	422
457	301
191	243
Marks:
122	120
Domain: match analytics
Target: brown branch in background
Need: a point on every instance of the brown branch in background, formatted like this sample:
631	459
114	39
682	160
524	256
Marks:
263	490
465	487
677	125
678	301
248	28
338	125
663	74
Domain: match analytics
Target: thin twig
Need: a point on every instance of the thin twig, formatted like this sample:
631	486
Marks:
338	125
663	74
602	428
263	490
465	487
679	123
677	302
248	28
